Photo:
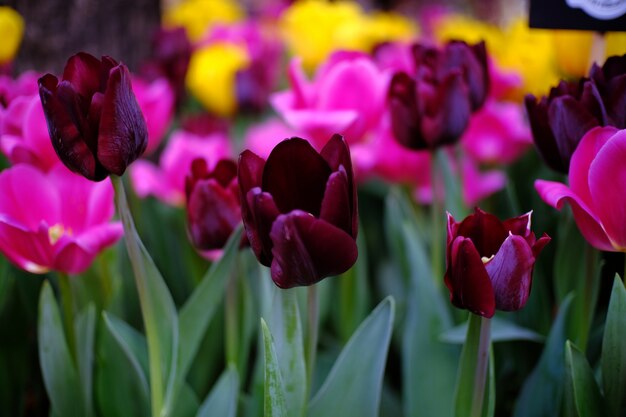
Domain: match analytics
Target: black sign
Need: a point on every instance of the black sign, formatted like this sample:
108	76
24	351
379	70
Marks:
598	15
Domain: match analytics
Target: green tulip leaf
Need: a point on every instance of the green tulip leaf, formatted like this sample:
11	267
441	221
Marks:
274	393
197	312
353	386
613	360
583	398
85	328
288	344
542	391
59	374
222	400
501	331
121	385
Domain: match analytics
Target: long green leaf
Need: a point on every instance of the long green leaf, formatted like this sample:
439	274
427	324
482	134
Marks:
542	391
288	343
85	327
120	379
613	360
222	400
59	374
274	393
353	386
197	312
582	389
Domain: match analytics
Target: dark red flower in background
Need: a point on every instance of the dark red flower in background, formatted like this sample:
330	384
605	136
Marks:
432	107
213	208
94	121
490	262
299	209
560	120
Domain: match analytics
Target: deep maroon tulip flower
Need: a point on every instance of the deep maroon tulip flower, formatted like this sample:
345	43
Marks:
94	121
213	208
299	209
490	262
432	108
559	121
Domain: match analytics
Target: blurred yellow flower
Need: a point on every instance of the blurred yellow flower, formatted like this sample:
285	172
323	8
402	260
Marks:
313	29
530	52
212	74
198	16
11	32
574	49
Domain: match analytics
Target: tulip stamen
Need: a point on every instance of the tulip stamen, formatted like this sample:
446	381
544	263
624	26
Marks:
55	232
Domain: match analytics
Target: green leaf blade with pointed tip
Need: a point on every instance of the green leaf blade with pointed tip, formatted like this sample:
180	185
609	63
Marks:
222	400
274	391
613	360
584	390
85	328
353	386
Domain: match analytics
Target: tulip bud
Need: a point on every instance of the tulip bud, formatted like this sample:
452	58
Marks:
490	262
94	121
299	209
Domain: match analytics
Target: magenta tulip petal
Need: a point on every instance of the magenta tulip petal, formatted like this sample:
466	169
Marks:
467	279
262	212
76	254
556	194
581	161
295	175
510	271
607	182
320	124
122	135
518	225
307	249
27	249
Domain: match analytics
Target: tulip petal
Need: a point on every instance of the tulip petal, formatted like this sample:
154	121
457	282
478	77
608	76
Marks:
542	133
249	171
30	250
556	194
212	213
336	203
467	279
123	135
405	122
581	161
295	175
616	101
519	225
258	219
75	255
510	271
84	71
485	230
307	250
607	182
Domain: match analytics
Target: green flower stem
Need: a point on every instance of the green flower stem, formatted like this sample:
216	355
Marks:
67	304
482	362
311	334
141	281
232	319
436	211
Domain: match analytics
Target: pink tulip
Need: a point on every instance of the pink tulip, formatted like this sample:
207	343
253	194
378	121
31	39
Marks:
24	134
263	137
55	221
11	88
597	178
156	100
497	133
167	180
347	96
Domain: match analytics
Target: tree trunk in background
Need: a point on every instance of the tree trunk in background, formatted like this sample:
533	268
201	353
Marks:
57	29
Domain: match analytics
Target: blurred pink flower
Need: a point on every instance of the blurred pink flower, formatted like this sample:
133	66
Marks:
56	220
24	85
597	179
156	100
346	96
167	180
24	134
261	138
497	133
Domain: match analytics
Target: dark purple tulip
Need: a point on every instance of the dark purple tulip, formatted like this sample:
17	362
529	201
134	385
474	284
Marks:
433	107
490	262
611	82
299	209
94	121
213	208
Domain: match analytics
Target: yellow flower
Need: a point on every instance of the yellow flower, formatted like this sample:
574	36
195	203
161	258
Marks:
574	49
11	32
312	29
198	16
212	73
389	27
